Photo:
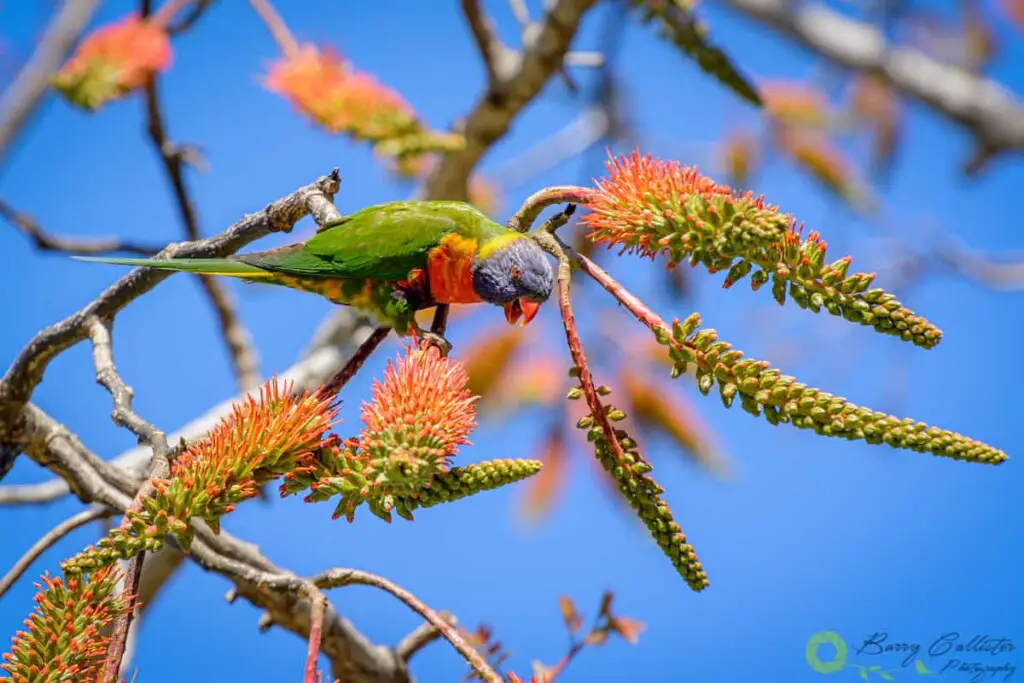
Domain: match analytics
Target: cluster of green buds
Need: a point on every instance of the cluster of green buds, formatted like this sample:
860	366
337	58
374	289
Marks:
63	639
632	474
655	207
678	24
781	399
339	470
420	414
259	441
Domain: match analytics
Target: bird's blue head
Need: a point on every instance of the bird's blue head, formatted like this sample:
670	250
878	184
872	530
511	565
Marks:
515	274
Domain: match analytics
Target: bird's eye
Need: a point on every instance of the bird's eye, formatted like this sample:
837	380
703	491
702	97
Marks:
515	273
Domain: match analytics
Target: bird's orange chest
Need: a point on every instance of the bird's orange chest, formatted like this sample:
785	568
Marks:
448	271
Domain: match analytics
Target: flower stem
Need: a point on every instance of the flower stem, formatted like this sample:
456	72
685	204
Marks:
275	24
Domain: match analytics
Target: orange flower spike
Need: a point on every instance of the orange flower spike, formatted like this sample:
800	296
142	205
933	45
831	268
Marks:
258	441
113	61
420	414
322	85
649	206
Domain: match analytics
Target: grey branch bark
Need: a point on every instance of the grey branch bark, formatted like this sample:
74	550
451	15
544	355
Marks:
504	99
23	95
992	114
26	372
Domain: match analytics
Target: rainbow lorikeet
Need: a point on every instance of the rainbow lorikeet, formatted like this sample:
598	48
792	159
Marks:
394	259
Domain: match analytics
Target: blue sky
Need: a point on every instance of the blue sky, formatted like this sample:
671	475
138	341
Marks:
809	535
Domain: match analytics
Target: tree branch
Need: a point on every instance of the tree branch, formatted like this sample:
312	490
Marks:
421	636
336	578
21	98
54	535
26	372
493	113
72	245
236	336
498	59
338	338
993	116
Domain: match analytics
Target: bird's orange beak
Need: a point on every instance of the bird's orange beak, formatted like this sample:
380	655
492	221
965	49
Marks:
521	308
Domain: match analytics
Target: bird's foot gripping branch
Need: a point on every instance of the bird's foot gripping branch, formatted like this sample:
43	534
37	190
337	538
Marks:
422	411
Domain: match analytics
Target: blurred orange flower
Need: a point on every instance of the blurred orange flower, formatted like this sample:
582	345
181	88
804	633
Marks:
322	85
113	61
791	103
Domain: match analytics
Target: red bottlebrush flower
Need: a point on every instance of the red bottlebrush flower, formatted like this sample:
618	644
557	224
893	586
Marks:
113	61
62	640
258	441
647	206
420	414
321	84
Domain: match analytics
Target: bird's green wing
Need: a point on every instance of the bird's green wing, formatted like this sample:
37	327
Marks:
382	242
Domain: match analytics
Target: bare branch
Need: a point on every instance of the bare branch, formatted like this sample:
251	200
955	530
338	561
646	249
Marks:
196	13
342	377
343	332
51	537
1005	275
236	336
994	116
335	578
421	636
499	60
23	95
27	370
275	24
493	113
124	415
75	245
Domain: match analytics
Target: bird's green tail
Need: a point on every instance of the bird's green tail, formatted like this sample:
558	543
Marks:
203	266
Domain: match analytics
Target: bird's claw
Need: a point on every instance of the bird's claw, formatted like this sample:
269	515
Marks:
427	339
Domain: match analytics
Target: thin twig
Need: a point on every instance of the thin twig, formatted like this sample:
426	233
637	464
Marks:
318	606
494	111
988	110
335	578
20	99
124	415
330	350
52	536
275	24
550	243
163	16
73	245
421	636
119	638
494	53
342	377
527	214
521	13
199	8
239	342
